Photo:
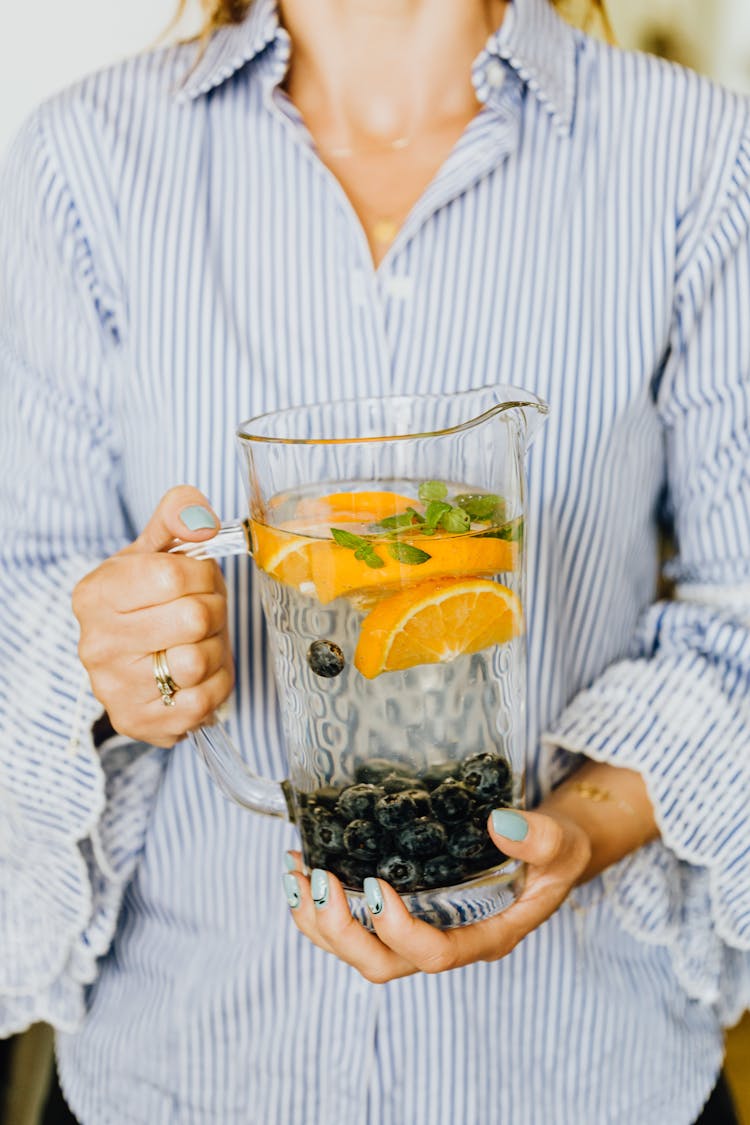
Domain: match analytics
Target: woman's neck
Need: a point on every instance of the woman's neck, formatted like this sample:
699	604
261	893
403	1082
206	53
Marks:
371	71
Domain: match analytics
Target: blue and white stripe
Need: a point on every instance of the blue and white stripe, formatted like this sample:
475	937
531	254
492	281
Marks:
174	258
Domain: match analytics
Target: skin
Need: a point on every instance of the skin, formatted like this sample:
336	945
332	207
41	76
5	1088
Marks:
142	600
363	73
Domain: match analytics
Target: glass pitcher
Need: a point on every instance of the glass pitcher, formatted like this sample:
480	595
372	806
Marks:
388	535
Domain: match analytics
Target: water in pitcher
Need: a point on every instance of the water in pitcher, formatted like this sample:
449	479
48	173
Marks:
395	619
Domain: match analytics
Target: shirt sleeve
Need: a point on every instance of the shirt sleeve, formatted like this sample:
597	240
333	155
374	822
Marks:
678	710
71	821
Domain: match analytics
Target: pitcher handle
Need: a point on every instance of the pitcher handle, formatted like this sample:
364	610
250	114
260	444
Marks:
232	538
214	746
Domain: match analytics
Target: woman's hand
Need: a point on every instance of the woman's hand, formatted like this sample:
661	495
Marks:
143	600
556	849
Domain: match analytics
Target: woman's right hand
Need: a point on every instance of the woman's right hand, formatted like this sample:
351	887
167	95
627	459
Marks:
143	600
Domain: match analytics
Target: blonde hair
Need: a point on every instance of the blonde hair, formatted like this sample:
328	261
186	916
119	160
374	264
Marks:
587	14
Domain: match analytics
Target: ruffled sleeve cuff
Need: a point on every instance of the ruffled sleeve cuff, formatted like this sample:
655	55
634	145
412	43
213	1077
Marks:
72	828
683	722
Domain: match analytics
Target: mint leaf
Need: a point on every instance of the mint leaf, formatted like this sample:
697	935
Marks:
456	521
349	540
481	505
415	515
432	490
363	548
511	531
406	553
434	512
393	523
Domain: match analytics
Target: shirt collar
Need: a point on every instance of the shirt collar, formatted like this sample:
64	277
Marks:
540	47
532	40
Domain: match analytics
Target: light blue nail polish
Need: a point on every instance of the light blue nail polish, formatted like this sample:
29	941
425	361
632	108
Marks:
289	861
291	890
319	887
510	824
373	896
196	517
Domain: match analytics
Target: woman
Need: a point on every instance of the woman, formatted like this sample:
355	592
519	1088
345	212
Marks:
348	198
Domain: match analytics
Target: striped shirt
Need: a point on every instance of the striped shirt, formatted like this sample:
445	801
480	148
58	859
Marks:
175	257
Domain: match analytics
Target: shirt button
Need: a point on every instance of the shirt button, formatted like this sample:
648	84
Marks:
495	74
399	286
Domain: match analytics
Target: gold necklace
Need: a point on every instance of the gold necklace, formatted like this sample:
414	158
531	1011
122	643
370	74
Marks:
343	152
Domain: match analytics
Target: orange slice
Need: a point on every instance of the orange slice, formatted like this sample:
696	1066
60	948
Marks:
434	622
283	555
355	507
337	572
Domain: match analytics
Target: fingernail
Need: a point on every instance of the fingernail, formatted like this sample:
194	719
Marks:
510	824
196	517
319	887
374	896
289	861
291	890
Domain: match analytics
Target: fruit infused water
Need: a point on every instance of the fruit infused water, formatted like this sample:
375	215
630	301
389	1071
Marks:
395	619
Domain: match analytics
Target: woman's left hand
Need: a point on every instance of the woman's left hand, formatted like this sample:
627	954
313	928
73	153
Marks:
556	849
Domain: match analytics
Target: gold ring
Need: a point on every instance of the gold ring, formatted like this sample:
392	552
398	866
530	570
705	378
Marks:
168	687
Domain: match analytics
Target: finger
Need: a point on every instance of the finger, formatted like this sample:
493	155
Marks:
296	886
189	665
186	621
534	837
127	582
546	841
293	861
325	918
182	513
193	707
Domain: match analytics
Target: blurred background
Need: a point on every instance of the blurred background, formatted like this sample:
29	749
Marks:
47	44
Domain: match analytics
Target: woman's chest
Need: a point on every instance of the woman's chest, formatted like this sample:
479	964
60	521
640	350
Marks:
263	295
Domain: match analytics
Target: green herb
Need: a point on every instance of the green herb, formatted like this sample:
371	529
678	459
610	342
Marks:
432	490
434	513
482	505
349	540
511	531
363	548
394	523
456	521
406	553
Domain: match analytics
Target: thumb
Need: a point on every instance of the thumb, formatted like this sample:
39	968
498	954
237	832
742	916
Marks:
182	513
534	837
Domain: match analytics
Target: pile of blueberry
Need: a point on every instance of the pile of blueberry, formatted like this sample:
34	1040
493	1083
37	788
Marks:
415	832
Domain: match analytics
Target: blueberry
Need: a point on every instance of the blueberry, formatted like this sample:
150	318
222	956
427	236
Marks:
352	872
372	771
403	873
488	775
327	832
421	837
399	782
316	858
452	801
357	801
363	838
326	659
437	774
443	871
466	841
395	810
